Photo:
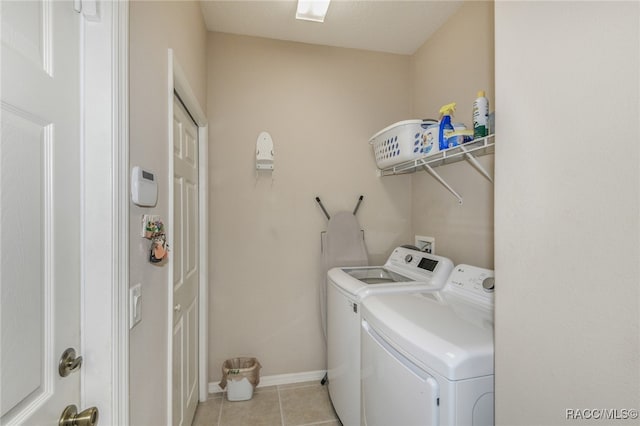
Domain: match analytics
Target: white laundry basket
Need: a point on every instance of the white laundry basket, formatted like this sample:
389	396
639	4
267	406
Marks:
403	141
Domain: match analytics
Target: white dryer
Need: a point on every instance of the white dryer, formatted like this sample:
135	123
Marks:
427	359
406	270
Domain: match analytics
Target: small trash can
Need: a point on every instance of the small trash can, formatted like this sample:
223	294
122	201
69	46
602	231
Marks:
240	376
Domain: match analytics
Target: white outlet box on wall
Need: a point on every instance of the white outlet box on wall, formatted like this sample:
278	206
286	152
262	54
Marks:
426	244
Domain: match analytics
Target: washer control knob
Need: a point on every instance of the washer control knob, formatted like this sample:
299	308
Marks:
408	258
489	283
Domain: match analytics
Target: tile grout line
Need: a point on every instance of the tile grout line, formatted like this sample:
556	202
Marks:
280	404
220	413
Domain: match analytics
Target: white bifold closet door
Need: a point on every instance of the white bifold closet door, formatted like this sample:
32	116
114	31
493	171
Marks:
185	265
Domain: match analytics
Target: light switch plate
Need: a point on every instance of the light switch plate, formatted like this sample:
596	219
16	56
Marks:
135	305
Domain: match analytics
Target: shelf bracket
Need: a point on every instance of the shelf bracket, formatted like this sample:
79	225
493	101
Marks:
471	159
479	147
442	181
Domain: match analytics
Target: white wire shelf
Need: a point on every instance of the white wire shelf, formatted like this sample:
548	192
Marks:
468	151
476	148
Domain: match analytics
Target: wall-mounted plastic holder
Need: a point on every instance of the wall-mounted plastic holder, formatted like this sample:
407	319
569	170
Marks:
153	229
264	152
144	188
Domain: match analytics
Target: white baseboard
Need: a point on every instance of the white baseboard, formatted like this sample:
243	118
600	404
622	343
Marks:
278	379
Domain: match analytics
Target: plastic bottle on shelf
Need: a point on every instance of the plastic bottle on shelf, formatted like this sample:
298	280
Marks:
446	112
480	116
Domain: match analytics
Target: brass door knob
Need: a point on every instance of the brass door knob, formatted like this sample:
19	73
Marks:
71	417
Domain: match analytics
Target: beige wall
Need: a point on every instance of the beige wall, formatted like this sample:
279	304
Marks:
452	66
566	333
320	105
155	27
567	210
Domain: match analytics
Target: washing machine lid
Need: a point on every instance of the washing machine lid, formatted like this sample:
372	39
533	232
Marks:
405	270
439	331
358	280
376	275
365	281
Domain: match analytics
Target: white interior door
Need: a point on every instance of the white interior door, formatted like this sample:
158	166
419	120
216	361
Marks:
39	208
185	266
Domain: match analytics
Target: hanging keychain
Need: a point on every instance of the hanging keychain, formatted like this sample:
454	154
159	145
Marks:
159	249
154	231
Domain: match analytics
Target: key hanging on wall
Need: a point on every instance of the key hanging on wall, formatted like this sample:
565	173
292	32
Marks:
153	229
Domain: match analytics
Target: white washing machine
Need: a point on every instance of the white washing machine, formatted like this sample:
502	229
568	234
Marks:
406	270
427	359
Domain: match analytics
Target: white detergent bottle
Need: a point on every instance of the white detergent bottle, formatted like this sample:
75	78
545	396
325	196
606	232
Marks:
480	116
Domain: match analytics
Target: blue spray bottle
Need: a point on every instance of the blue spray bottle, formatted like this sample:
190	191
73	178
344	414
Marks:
446	112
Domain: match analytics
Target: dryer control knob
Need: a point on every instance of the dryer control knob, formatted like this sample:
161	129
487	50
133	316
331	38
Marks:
408	258
489	283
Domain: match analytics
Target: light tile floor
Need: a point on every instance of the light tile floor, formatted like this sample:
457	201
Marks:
299	404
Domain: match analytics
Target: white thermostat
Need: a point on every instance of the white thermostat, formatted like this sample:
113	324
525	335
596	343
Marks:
144	188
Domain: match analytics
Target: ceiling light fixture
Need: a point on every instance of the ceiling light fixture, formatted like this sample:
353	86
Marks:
312	10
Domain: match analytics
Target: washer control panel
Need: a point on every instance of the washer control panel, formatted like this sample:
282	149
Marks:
472	282
420	266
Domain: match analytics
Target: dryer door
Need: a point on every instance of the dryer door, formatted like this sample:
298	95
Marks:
395	391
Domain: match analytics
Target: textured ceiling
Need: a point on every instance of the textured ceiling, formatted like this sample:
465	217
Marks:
392	26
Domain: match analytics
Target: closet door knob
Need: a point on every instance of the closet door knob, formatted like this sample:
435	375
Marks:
71	417
177	308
